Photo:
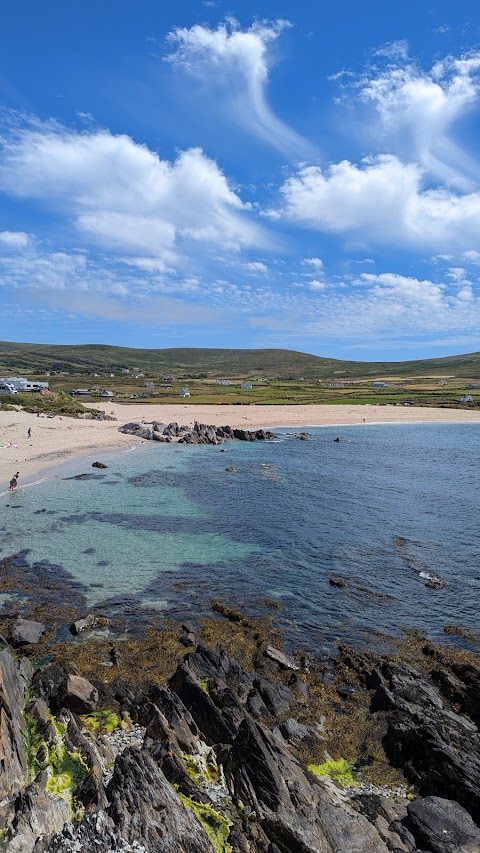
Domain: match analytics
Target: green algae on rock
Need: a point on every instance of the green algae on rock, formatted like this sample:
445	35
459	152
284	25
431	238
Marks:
101	721
215	825
66	770
340	770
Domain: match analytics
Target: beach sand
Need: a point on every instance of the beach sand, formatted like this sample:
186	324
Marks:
56	440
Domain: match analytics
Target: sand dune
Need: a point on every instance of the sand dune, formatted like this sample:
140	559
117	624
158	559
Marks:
55	440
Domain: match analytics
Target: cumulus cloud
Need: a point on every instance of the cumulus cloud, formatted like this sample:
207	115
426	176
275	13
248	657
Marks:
422	190
382	201
256	268
236	63
316	263
14	239
123	195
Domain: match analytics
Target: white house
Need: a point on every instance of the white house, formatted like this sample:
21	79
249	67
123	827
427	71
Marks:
184	392
222	381
380	384
247	386
467	398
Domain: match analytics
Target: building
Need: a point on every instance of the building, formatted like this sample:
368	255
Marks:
380	384
334	384
247	386
467	398
106	394
139	376
149	384
80	392
222	381
125	370
184	392
169	378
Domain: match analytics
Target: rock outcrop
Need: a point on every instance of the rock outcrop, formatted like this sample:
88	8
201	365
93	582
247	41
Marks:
215	762
198	434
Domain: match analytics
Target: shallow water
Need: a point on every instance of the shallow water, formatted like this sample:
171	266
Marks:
169	528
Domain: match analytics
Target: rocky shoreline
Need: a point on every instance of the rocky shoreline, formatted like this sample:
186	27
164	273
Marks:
209	737
198	434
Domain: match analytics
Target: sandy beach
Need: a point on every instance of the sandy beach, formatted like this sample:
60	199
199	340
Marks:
56	440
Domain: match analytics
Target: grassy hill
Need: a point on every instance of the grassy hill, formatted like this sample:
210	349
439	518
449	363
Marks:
208	363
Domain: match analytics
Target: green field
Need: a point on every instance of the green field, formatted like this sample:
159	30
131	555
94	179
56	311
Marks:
277	376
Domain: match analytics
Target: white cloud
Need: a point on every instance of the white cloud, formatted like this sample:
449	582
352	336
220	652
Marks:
316	263
122	195
381	308
14	239
418	111
256	268
317	285
382	201
237	63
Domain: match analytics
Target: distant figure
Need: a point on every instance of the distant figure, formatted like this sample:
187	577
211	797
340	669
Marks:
29	432
336	439
14	481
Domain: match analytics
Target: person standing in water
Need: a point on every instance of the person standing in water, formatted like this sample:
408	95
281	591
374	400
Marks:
14	481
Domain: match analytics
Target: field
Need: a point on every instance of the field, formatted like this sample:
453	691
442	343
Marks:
276	376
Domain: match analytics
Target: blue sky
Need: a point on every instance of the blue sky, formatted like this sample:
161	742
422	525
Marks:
271	174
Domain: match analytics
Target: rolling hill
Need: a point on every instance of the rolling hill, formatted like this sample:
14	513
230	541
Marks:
248	363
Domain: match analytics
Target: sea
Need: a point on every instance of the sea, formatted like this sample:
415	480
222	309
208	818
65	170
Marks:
390	512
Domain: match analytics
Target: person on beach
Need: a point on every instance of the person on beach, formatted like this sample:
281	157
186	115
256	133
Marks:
29	433
14	481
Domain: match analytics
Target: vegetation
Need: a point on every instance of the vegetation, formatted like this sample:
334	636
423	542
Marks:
215	825
340	770
66	769
101	722
208	363
276	377
57	403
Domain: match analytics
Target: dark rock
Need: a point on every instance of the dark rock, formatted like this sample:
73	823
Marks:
144	807
341	582
303	436
444	826
99	465
297	816
390	819
46	683
78	694
24	632
276	697
438	750
14	683
38	815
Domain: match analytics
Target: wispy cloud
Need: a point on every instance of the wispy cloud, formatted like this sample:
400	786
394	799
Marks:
418	111
236	63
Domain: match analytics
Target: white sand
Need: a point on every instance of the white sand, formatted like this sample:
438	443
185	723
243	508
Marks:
55	440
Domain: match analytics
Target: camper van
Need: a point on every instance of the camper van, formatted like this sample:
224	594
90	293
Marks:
6	388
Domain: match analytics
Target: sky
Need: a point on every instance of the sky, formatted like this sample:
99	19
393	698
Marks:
303	175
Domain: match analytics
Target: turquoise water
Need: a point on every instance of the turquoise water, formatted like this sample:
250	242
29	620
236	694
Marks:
168	528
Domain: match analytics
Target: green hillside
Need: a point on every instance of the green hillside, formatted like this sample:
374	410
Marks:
208	363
